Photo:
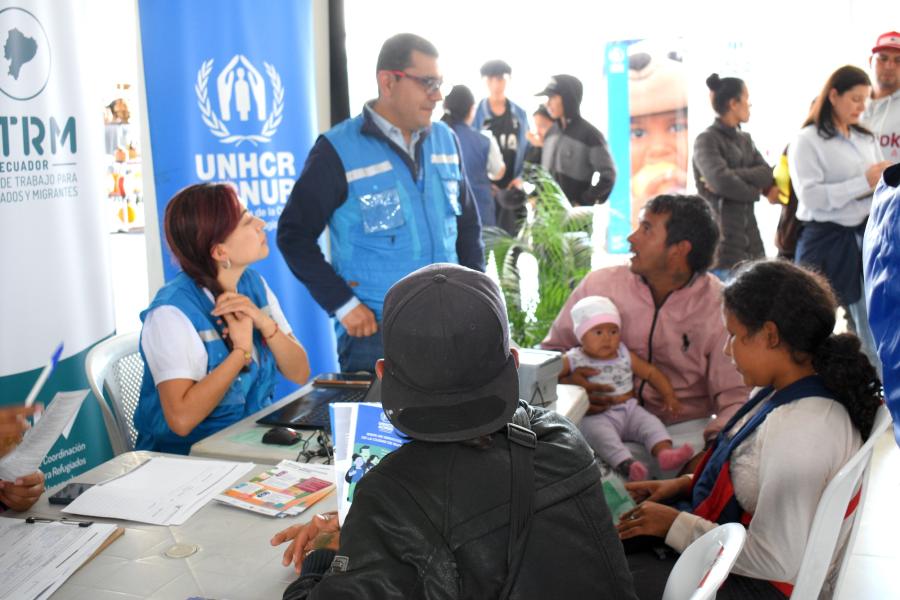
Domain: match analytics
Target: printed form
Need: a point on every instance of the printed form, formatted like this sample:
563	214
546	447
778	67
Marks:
160	491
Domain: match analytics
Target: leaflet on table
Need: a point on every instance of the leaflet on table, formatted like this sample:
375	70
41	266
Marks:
287	489
362	436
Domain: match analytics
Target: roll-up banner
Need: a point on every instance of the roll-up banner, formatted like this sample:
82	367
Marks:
231	97
648	128
53	241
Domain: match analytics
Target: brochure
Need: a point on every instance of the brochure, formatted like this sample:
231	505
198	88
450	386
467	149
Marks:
285	490
362	436
617	497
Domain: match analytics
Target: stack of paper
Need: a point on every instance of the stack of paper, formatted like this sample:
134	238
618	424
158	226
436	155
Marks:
161	491
285	490
37	557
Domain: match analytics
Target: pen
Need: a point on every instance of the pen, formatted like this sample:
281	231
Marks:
64	521
42	378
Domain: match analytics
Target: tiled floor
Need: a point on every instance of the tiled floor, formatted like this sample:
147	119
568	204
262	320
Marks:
875	558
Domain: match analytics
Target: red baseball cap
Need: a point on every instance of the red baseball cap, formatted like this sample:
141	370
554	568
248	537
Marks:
887	41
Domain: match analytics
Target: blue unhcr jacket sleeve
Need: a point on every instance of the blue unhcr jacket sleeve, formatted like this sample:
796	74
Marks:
469	247
320	190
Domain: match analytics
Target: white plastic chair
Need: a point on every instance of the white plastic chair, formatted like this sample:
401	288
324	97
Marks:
829	518
703	566
115	366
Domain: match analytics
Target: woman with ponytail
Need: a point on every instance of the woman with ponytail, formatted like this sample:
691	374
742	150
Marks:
731	174
215	334
814	403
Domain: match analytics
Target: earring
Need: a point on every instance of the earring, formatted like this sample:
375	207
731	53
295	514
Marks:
227	264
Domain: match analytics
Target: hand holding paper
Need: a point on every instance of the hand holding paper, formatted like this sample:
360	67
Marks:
59	417
13	425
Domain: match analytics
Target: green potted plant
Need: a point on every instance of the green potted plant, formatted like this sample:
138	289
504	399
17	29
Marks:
555	241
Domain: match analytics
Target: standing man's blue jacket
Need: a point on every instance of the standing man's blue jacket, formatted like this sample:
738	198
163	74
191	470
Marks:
475	147
388	215
484	110
881	269
251	391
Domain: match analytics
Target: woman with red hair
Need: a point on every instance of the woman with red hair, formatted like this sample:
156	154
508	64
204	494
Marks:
214	335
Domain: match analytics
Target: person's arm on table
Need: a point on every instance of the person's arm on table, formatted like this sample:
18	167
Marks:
21	494
391	556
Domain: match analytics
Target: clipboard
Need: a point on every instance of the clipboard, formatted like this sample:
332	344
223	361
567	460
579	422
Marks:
116	534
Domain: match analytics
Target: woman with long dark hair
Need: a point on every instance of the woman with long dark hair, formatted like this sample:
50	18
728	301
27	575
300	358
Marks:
731	174
815	400
214	335
835	164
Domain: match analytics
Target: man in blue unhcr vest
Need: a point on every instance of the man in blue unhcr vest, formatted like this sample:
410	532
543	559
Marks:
390	186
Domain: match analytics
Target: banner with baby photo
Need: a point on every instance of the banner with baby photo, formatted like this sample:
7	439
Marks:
56	281
650	85
648	127
231	97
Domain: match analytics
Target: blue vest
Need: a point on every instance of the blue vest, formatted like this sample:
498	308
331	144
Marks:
249	392
391	224
475	147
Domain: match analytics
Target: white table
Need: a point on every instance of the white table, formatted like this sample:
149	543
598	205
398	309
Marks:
235	559
243	440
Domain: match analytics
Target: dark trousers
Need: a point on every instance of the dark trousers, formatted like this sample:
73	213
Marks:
358	353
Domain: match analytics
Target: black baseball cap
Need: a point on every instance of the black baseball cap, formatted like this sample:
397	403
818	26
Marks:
449	374
495	68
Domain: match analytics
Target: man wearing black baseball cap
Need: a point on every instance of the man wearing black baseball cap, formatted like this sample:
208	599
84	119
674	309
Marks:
574	150
483	500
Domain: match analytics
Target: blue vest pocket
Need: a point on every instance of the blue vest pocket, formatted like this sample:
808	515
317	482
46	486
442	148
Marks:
381	210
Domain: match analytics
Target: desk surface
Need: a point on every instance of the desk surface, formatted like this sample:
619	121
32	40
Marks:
243	440
234	561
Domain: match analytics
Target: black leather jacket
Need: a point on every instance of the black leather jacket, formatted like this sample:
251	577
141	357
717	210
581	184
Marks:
431	521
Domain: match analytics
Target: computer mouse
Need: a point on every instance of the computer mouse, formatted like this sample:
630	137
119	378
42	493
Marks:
281	436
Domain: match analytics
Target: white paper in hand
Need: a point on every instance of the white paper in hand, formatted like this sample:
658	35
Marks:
58	418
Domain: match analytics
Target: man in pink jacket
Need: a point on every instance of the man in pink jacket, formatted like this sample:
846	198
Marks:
671	311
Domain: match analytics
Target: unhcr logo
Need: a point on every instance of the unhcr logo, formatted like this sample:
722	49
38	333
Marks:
244	113
25	68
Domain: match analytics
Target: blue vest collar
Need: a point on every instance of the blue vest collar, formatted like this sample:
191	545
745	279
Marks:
722	448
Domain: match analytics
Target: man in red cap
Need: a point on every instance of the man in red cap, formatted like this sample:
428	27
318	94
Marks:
882	116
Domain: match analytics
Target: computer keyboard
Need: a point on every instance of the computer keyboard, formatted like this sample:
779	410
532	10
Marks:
318	415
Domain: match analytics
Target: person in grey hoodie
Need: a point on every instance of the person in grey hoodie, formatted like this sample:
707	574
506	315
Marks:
574	150
731	174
